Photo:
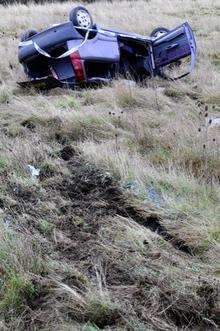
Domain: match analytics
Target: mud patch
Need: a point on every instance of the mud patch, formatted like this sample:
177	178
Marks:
88	186
67	152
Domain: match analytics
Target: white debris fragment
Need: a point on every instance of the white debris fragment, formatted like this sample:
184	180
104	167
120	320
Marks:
129	82
34	172
214	121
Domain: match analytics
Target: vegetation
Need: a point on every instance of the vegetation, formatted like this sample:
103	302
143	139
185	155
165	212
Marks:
120	231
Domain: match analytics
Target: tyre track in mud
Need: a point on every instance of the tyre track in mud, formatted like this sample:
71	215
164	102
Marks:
87	198
153	223
89	185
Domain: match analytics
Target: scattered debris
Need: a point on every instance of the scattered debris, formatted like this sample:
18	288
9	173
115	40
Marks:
33	172
154	196
214	122
133	186
149	193
8	220
88	203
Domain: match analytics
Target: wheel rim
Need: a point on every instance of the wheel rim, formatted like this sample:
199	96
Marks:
83	19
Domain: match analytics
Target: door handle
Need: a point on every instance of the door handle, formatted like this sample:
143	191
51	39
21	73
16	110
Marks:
172	46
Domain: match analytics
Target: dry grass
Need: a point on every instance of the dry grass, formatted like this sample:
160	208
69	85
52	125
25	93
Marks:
134	246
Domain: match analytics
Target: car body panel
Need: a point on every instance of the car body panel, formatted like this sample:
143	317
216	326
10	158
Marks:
100	48
48	40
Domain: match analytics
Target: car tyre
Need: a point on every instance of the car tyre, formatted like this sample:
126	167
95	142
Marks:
159	32
81	17
28	34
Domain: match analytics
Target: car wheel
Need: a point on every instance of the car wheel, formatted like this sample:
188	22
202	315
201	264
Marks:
159	32
81	17
28	34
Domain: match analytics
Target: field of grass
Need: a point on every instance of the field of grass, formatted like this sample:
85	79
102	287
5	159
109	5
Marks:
121	231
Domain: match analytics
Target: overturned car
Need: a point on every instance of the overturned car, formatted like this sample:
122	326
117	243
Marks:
79	52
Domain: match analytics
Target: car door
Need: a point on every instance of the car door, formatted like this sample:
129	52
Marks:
173	46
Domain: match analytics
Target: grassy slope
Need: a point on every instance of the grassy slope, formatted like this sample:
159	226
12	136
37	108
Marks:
78	249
